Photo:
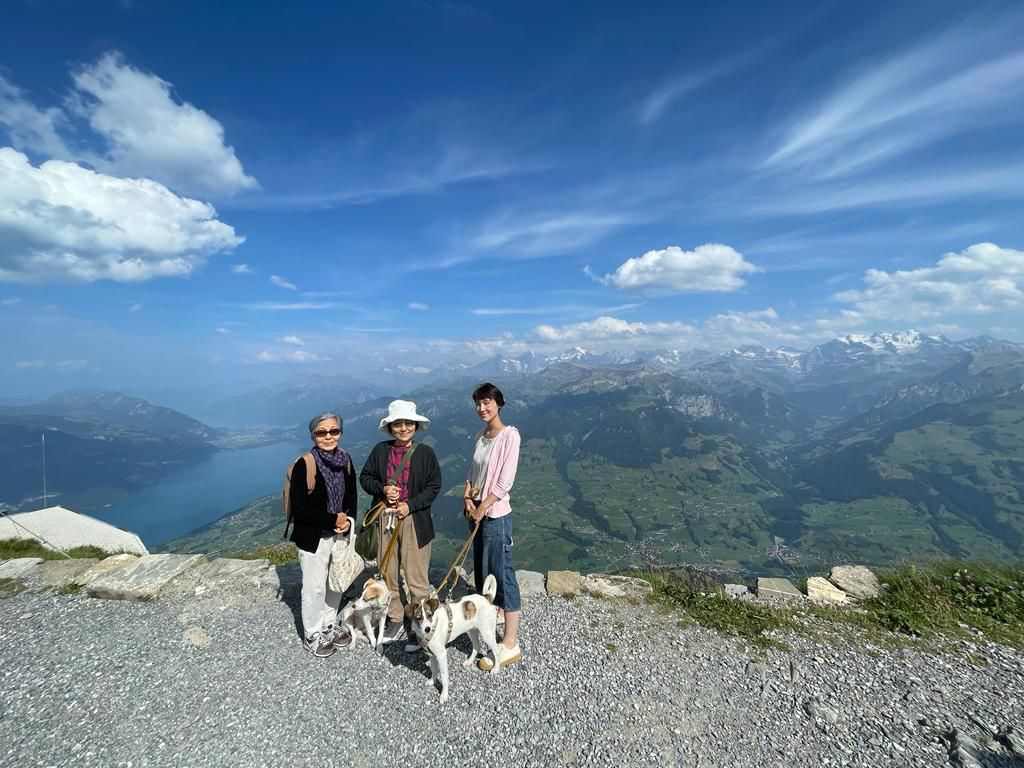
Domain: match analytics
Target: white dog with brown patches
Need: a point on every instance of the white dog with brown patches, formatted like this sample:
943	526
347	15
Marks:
436	624
368	612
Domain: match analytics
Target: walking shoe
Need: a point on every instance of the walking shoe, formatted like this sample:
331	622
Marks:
339	637
319	645
393	630
506	657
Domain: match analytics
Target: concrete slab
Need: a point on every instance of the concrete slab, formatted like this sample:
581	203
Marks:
225	575
18	567
564	583
66	529
736	590
603	585
61	574
105	566
531	583
143	579
778	588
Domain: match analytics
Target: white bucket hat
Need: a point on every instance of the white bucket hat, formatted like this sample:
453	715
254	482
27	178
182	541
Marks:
399	410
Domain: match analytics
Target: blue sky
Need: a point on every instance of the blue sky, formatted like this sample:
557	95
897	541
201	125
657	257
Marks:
223	197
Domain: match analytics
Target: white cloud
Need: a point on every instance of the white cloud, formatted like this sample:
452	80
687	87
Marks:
241	269
30	364
294	340
283	283
11	302
146	131
295	306
223	331
289	356
135	308
606	327
965	77
419	306
536	235
982	279
709	267
63	221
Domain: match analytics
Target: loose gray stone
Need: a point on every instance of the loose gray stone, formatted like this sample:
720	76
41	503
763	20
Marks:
823	591
856	580
1014	742
736	590
107	565
59	574
778	588
226	575
196	637
18	567
531	583
603	585
564	583
143	579
964	751
818	711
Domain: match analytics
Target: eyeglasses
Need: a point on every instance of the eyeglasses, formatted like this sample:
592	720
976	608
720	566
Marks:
333	432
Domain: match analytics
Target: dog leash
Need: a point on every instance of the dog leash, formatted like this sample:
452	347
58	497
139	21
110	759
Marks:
456	565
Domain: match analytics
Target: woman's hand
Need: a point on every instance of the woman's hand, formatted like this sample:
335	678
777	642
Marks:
342	523
478	513
391	494
403	510
469	508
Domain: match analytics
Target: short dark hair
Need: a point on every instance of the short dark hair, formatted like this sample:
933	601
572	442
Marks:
488	391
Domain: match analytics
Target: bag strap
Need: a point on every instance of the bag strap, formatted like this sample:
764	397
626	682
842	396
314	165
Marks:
310	471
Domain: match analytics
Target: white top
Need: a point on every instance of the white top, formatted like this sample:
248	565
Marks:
67	529
481	454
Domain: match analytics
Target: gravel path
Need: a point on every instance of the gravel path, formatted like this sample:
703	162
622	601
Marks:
85	682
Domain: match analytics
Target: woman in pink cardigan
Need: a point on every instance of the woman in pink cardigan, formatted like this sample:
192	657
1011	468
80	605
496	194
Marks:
488	484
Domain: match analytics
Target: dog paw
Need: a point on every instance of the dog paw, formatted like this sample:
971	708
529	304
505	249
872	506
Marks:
444	697
471	661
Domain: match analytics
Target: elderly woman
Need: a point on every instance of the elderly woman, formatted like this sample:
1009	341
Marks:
320	513
488	485
406	476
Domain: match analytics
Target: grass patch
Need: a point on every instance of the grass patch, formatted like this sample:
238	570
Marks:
739	618
10	587
277	554
69	589
937	599
14	548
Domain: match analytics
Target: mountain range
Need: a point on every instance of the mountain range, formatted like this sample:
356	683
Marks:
877	448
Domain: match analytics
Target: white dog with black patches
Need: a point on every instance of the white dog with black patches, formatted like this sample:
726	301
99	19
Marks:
436	624
368	612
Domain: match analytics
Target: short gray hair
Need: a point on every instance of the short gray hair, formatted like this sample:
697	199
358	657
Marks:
324	417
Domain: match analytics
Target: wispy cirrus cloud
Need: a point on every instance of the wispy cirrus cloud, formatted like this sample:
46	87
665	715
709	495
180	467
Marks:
282	282
241	269
418	306
294	306
969	76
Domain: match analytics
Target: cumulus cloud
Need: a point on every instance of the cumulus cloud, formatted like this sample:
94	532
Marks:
281	282
293	340
982	279
606	327
62	221
146	132
707	268
419	306
241	269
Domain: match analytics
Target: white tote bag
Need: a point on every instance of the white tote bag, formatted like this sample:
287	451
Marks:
346	563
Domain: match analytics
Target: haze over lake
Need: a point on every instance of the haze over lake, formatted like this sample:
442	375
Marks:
199	494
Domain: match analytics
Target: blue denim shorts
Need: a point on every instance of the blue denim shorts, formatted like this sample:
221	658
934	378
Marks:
492	554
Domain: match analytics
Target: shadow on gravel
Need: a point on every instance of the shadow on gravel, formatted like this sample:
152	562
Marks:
290	578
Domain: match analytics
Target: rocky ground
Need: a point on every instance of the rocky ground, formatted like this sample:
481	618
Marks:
220	680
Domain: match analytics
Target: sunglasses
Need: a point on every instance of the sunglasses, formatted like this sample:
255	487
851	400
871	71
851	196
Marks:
333	432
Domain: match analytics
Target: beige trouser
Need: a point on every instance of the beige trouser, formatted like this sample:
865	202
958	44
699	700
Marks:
415	562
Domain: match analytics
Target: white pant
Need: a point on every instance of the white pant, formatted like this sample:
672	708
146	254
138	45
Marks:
319	604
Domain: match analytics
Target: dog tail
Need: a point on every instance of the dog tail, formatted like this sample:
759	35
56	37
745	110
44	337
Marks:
490	588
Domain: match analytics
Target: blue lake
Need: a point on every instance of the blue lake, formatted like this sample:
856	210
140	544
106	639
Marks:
202	493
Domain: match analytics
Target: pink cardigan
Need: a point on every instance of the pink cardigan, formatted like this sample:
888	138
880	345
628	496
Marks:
501	470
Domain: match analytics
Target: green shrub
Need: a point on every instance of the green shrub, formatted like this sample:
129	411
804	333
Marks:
277	554
12	548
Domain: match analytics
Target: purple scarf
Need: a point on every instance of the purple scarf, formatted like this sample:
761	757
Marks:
332	465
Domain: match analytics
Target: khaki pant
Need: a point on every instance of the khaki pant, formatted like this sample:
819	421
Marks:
415	562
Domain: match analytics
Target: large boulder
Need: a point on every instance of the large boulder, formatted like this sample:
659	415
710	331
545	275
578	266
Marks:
603	585
144	578
824	592
564	583
63	574
19	567
856	580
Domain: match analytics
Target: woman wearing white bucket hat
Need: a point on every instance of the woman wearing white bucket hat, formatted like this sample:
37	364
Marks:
407	477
